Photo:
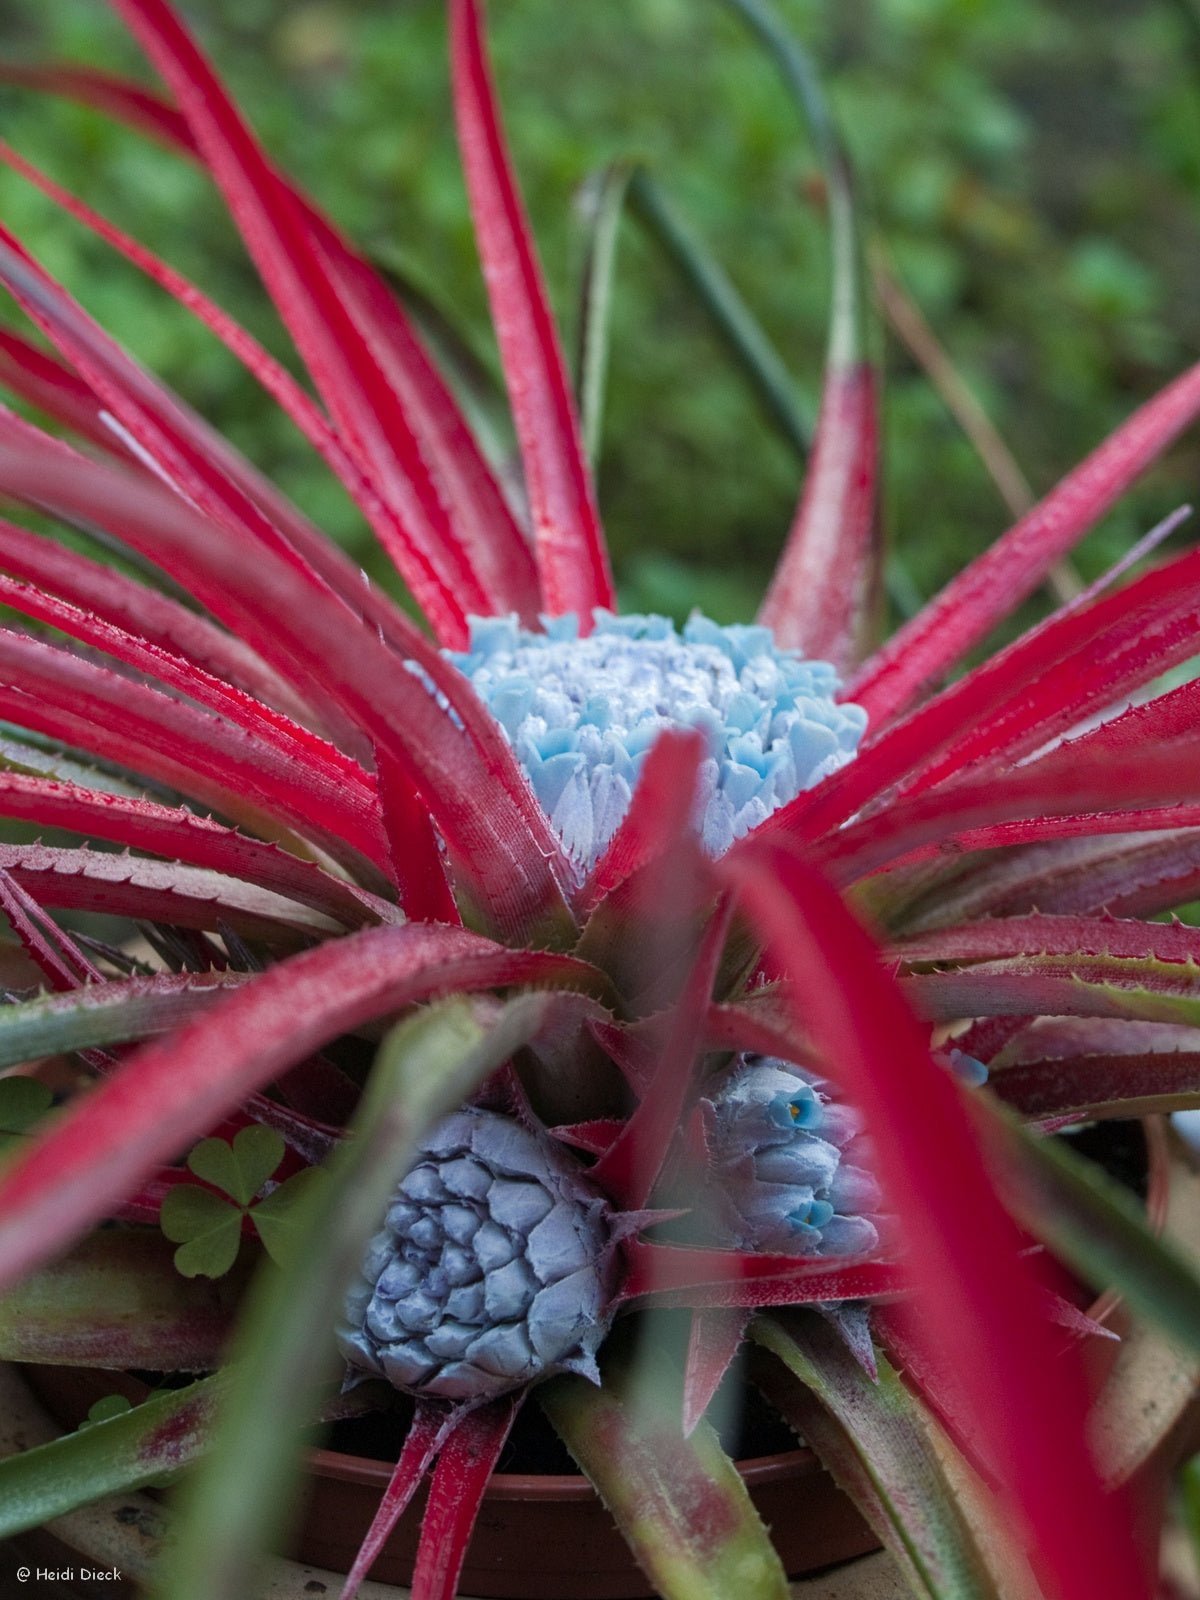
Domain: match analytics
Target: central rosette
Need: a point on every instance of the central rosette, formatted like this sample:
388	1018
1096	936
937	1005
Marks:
581	715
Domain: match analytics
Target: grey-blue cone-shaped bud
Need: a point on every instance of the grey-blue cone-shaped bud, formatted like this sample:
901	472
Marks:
790	1164
493	1269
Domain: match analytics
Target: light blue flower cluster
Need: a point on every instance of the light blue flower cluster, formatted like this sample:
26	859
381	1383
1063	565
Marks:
493	1268
789	1163
581	715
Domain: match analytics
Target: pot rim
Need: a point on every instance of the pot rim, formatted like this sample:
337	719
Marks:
551	1485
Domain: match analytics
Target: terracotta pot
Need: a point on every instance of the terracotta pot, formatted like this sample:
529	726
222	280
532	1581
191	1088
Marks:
560	1520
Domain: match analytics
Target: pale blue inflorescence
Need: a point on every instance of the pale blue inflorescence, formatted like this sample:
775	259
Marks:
493	1268
790	1164
581	715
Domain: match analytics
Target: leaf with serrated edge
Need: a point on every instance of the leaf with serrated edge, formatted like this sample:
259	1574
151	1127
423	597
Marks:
876	1441
122	1009
678	1502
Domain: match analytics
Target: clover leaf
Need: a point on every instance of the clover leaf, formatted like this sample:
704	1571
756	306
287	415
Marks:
23	1102
207	1226
239	1169
275	1216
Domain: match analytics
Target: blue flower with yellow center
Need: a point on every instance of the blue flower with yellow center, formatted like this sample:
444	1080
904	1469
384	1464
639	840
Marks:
581	715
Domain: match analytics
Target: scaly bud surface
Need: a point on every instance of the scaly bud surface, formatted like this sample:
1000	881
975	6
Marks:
581	715
790	1166
493	1268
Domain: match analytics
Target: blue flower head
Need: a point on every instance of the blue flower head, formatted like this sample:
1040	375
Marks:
581	715
787	1163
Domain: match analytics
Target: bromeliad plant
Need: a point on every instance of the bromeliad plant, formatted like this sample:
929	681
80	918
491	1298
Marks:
588	876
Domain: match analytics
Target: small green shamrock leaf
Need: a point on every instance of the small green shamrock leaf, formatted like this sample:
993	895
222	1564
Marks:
207	1228
239	1169
23	1101
276	1216
109	1405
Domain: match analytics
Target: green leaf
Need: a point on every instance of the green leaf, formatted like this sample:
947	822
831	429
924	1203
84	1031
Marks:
23	1101
235	1504
680	1503
733	322
207	1229
100	1014
117	1300
239	1169
109	1405
134	1450
1096	1226
279	1217
598	207
876	1440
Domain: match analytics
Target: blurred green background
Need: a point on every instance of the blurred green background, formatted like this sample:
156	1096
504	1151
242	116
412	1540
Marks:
1033	169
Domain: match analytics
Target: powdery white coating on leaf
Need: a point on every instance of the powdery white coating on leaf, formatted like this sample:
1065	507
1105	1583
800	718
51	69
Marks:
790	1166
581	715
493	1268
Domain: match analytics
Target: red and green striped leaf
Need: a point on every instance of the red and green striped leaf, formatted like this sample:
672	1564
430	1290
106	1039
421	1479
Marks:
117	1302
679	1502
876	1440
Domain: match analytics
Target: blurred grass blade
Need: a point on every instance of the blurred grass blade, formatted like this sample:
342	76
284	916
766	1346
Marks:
678	1502
599	203
1097	1227
875	1440
130	1451
828	576
732	319
909	323
236	1505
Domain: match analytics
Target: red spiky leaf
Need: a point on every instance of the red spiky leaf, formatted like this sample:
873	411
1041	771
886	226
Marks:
178	835
431	1425
570	547
498	547
818	593
104	1145
993	585
506	853
417	533
456	1494
979	1299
